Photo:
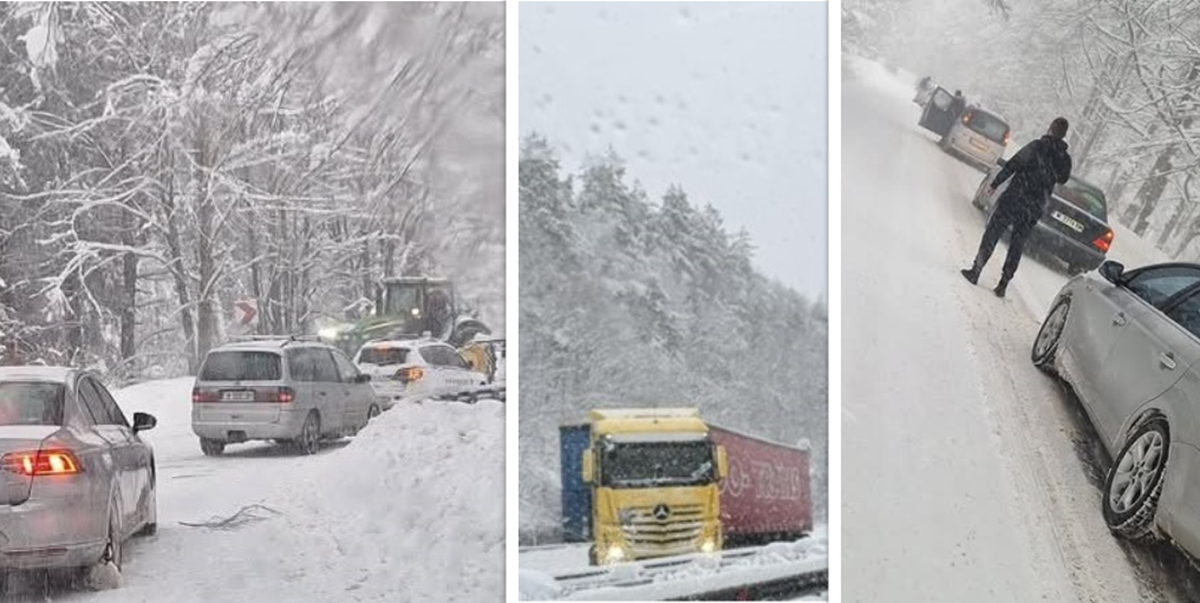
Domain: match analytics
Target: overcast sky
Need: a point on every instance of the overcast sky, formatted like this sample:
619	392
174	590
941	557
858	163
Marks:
727	100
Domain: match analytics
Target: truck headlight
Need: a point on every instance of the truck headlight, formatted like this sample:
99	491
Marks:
615	552
708	546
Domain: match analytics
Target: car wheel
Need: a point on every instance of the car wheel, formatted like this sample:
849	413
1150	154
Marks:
310	435
1045	346
105	574
150	512
211	447
1135	481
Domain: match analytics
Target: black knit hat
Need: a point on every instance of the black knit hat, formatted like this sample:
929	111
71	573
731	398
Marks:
1058	127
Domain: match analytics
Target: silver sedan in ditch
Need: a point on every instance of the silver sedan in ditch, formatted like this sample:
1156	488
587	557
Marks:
1128	342
77	479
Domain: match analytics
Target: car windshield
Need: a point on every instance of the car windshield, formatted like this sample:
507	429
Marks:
990	126
383	356
239	365
653	464
31	403
1085	196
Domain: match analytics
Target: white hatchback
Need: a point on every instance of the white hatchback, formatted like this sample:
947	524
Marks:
416	368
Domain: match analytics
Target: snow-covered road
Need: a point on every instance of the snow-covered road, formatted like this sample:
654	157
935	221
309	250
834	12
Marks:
967	474
412	509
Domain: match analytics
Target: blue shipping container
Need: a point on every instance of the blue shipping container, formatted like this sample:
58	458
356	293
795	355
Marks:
576	495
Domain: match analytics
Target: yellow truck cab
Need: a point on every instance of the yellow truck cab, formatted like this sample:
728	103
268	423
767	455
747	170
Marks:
654	475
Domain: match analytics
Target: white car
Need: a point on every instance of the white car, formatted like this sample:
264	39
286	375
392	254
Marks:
416	368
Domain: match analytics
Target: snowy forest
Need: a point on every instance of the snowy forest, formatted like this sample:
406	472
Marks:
159	161
627	301
1124	72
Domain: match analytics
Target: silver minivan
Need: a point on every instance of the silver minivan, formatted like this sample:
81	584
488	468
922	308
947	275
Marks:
292	391
978	136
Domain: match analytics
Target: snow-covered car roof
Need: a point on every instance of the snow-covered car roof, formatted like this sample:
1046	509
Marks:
37	373
402	343
267	345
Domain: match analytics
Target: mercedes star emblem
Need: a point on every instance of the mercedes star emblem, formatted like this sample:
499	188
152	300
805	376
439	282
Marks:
661	512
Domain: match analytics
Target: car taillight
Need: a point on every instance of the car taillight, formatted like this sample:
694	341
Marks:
966	118
41	462
1007	138
410	374
202	396
284	395
1104	242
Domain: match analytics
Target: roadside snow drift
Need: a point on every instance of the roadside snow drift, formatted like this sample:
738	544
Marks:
412	509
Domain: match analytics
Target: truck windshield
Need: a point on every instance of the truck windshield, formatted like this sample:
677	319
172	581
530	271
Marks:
655	464
402	298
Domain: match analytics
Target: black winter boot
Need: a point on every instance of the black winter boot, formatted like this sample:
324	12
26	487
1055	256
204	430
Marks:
971	274
1001	288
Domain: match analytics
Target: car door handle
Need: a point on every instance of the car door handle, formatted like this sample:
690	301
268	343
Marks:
1167	360
1119	320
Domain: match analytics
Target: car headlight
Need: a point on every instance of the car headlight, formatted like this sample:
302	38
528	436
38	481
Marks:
708	546
416	311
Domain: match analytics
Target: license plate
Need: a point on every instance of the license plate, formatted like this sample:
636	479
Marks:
1068	220
979	145
239	396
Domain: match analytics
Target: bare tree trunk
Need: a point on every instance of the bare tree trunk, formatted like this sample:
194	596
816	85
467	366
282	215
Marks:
128	313
179	274
1146	199
206	324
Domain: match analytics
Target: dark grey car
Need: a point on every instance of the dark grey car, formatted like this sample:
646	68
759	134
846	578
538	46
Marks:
77	478
1129	344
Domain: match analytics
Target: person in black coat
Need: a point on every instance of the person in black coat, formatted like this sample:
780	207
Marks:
1034	170
958	104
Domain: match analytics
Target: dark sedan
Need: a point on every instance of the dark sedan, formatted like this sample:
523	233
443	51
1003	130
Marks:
1074	226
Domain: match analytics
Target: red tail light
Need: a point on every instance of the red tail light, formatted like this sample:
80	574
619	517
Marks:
282	395
966	118
1104	242
1007	137
410	374
59	461
202	396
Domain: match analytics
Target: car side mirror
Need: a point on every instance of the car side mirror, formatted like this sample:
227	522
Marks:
722	463
143	421
587	467
362	378
1112	271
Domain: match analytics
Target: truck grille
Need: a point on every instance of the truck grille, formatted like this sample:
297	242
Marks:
645	531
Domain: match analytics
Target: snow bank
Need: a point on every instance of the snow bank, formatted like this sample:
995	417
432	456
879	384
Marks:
538	586
411	509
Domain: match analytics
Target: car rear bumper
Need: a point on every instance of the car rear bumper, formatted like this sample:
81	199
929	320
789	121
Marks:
49	532
1063	246
286	426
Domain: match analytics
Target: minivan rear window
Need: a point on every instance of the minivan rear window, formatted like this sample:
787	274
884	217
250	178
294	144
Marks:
988	125
31	403
383	356
241	366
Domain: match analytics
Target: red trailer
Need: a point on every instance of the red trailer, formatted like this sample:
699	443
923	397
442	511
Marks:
766	496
